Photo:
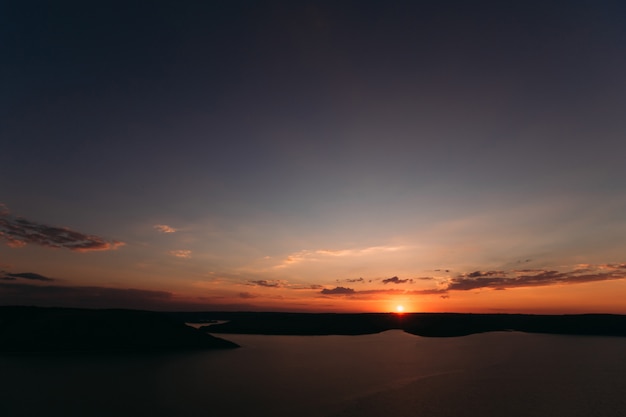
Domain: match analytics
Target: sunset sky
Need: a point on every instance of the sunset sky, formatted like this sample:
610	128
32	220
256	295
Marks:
344	156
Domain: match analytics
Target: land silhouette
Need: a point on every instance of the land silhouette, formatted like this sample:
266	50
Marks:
422	324
36	329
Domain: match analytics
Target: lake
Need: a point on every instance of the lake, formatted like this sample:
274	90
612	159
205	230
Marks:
388	374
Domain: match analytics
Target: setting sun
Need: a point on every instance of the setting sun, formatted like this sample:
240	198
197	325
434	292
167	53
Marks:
400	309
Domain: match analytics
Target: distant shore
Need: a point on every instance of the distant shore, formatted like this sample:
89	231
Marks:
422	324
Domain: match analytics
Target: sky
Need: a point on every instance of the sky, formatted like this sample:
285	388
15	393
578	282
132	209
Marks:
351	156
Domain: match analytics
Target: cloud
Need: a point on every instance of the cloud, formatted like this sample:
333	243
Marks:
305	287
338	291
277	283
381	291
18	232
396	280
355	280
540	278
428	291
340	252
485	274
325	254
611	266
246	295
88	297
497	280
267	283
50	295
374	293
185	254
163	228
527	270
500	280
26	275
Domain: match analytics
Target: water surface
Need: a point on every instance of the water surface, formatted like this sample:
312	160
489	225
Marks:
387	374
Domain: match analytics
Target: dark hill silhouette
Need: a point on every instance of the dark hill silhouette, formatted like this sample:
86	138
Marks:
35	329
423	324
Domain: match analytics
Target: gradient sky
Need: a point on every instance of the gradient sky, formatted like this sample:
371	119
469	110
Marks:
314	156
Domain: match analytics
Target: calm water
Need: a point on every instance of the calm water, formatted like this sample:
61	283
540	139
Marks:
388	374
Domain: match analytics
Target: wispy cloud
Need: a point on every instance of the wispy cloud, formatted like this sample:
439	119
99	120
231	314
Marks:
267	283
25	275
379	291
541	278
428	291
477	274
246	294
181	253
18	232
163	228
612	267
327	254
277	283
51	295
496	280
306	287
54	295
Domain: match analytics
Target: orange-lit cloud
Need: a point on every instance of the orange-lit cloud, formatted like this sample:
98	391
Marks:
163	228
277	283
18	232
246	294
611	267
477	274
13	243
267	283
494	280
181	253
326	254
353	292
504	281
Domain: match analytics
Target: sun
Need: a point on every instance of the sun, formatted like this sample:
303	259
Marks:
400	309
